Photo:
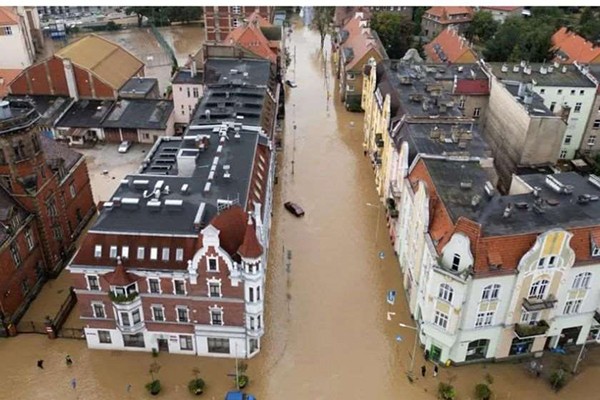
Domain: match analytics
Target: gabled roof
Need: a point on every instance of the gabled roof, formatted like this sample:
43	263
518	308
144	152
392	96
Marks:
359	42
256	19
450	46
250	248
252	39
8	16
571	47
107	60
443	13
231	224
6	77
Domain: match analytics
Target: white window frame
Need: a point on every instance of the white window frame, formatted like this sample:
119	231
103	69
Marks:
582	280
29	239
141	252
455	262
187	313
101	332
484	319
101	304
591	140
113	252
153	253
160	307
572	306
530	318
149	286
179	254
568	139
441	319
445	293
350	88
216	310
490	292
577	108
87	282
125	252
98	251
166	252
563	154
216	259
538	289
189	339
175	287
476	112
596	124
350	76
216	282
461	103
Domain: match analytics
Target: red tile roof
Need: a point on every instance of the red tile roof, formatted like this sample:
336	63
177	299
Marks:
574	47
500	8
472	87
443	14
120	277
454	46
252	39
231	224
250	248
360	41
6	77
8	16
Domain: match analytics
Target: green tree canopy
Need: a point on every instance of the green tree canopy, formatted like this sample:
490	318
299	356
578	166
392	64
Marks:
395	32
520	38
483	26
323	21
162	16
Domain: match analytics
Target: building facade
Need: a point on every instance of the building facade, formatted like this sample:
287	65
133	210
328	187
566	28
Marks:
187	84
436	19
590	142
19	36
219	21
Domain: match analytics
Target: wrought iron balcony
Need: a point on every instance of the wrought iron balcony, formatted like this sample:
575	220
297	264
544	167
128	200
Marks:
534	304
526	330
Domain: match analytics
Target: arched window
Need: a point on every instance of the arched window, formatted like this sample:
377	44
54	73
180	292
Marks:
490	292
538	289
446	292
582	281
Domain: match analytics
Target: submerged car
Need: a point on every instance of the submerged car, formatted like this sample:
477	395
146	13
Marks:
237	395
124	147
294	209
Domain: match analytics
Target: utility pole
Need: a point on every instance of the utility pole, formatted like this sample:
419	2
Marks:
579	358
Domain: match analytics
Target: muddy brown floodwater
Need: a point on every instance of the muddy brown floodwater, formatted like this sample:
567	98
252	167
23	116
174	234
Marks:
328	336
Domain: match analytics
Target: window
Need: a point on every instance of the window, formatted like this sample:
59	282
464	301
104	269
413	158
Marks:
490	292
529	318
581	92
441	319
591	140
195	92
93	283
182	314
57	232
446	292
185	342
538	289
179	254
218	345
6	31
125	321
154	253
596	124
456	262
136	340
542	91
188	92
258	293
568	139
216	317
251	294
104	337
140	253
595	251
179	286
461	103
582	281
572	92
563	154
153	285
125	252
350	88
559	91
572	307
235	22
577	107
165	254
158	313
99	311
252	323
236	9
484	319
51	208
135	315
476	112
551	262
29	239
214	289
258	322
350	76
212	264
552	105
113	251
98	251
14	252
72	190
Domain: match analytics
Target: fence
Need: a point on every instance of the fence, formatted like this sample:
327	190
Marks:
71	333
32	327
163	43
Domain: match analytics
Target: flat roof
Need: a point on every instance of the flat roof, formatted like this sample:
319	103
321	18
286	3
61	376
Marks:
237	71
49	107
181	162
536	108
21	114
138	85
139	114
184	76
230	103
553	76
86	114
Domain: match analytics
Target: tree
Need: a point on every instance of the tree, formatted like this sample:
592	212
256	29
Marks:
323	21
140	13
395	32
589	24
417	17
483	26
517	38
183	14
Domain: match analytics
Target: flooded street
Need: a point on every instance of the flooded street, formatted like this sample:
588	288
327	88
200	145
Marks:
328	335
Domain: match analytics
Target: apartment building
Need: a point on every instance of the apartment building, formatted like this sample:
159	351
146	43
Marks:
46	203
491	276
436	19
590	142
20	36
450	47
565	90
219	21
569	47
176	260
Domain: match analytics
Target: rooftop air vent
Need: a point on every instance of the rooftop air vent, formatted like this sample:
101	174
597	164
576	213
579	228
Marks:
207	187
507	211
141	183
185	188
133	201
108	205
116	201
466	185
594	180
516	68
199	216
154	204
504	68
125	182
489	188
552	202
174	204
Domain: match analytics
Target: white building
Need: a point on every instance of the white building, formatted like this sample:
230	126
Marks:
187	87
490	276
19	34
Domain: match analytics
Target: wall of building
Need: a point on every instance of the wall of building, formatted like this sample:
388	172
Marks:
185	101
15	45
590	142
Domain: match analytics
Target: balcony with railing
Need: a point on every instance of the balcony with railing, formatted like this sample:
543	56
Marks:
16	115
535	304
527	330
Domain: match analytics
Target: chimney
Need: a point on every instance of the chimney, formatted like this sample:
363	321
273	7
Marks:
194	69
507	211
70	75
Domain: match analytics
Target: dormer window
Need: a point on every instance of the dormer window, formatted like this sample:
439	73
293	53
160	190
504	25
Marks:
113	251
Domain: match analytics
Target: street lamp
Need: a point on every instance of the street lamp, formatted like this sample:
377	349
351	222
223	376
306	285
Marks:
414	353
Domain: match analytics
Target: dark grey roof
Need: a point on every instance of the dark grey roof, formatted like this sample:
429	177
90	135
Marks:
19	114
594	70
528	214
184	76
86	114
138	85
242	71
443	139
572	78
165	163
49	107
139	114
536	108
230	103
56	151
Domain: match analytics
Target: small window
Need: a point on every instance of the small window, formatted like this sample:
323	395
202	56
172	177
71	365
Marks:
591	140
113	251
104	337
179	254
572	92
125	252
542	91
154	253
350	88
551	262
596	124
216	317
29	239
582	281
446	292
350	76
212	264
214	289
581	92
179	286
441	319
158	313
165	254
186	342
72	190
182	314
577	107
456	262
98	251
195	92
461	103
98	309
93	283
552	106
568	139
476	112
559	91
541	262
154	285
563	154
140	253
16	256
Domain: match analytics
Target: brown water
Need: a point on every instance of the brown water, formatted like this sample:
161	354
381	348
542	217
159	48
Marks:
327	335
